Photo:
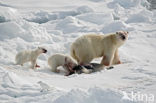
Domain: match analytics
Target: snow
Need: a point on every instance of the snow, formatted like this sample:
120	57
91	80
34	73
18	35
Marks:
116	26
8	14
54	25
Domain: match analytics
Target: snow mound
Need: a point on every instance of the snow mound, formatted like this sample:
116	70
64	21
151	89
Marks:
5	5
40	17
70	24
10	79
127	4
44	16
97	18
8	14
97	0
116	26
142	16
84	9
93	95
25	30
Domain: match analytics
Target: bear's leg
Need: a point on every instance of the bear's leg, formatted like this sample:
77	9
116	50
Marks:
73	54
19	62
85	61
108	58
37	66
85	58
83	54
54	69
116	59
33	63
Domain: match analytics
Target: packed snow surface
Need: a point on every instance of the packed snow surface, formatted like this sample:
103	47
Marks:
55	24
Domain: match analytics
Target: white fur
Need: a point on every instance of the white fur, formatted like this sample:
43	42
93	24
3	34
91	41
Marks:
88	47
59	60
28	56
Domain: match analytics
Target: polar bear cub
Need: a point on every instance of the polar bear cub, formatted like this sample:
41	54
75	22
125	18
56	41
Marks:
57	60
29	56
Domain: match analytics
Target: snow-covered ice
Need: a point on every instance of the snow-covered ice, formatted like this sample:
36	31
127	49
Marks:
55	24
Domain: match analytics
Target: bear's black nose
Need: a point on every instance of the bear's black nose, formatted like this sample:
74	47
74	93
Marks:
123	37
44	50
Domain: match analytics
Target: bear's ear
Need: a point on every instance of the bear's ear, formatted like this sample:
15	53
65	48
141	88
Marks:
127	32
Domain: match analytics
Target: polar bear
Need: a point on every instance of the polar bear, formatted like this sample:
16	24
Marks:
29	56
88	47
61	60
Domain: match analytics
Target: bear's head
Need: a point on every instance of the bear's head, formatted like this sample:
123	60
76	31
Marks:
41	50
122	36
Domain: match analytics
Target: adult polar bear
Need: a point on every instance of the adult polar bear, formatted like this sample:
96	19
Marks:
88	47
